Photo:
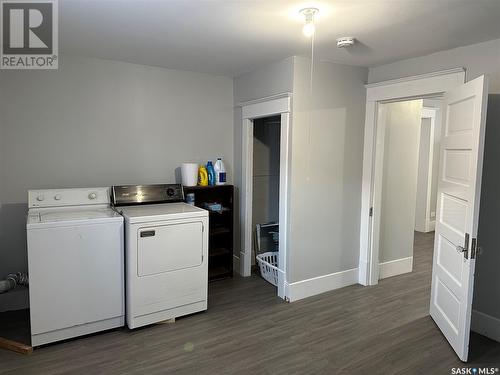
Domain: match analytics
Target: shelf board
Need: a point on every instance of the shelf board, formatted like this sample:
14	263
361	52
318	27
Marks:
219	231
218	273
220	251
207	187
219	213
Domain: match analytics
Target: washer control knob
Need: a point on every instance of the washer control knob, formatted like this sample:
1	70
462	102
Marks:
92	196
40	198
57	197
170	192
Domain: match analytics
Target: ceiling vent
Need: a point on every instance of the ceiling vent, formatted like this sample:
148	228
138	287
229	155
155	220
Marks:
345	41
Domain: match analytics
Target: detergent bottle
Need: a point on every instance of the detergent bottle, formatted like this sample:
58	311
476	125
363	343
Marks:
211	173
202	176
220	172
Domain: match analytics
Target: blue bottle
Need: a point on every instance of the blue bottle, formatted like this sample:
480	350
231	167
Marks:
211	173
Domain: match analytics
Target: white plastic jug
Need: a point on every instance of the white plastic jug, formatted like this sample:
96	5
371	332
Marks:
220	172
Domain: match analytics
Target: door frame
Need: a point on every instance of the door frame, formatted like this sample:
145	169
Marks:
414	87
270	106
430	113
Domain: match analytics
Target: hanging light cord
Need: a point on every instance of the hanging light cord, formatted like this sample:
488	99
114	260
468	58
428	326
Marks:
309	110
312	67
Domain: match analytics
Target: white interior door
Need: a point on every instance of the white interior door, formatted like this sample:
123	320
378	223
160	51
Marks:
458	212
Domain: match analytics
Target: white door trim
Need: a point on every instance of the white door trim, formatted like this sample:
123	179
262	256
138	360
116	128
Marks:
430	113
396	90
276	105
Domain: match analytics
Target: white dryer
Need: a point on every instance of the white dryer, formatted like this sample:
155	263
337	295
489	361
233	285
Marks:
75	263
166	253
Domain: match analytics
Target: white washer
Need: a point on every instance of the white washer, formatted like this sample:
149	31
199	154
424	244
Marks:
75	263
166	253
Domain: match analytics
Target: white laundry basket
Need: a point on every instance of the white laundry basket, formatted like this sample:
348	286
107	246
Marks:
268	264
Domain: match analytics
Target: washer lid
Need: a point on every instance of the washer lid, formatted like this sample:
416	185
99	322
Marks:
77	215
63	215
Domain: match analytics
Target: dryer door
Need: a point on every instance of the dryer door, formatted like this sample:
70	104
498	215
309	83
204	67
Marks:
169	247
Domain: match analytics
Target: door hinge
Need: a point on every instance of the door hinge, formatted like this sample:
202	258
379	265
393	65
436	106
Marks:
371	211
474	249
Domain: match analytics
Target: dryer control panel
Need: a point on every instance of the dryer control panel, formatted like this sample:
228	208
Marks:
146	194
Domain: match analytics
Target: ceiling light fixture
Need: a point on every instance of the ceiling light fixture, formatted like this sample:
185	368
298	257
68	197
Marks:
309	28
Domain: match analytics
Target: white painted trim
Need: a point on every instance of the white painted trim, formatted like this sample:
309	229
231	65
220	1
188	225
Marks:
485	325
236	264
265	99
267	108
283	192
321	284
429	113
246	199
395	267
431	226
366	230
416	88
395	90
377	185
277	105
416	77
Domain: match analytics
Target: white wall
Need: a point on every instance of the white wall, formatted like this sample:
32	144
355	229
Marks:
487	278
478	59
271	79
326	167
97	122
399	182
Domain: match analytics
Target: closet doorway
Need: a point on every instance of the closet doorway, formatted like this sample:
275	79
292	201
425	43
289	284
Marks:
265	196
264	190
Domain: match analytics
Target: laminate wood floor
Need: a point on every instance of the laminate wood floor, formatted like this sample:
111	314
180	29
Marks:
383	329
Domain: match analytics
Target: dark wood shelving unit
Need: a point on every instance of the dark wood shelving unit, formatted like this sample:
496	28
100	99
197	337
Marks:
221	231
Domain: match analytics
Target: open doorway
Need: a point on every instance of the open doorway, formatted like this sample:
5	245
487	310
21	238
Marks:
265	163
406	185
458	193
265	197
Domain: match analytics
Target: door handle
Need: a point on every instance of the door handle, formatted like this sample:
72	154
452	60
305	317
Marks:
464	249
148	233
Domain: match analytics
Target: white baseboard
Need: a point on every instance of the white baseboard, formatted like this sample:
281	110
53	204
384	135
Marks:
321	284
395	267
485	325
431	226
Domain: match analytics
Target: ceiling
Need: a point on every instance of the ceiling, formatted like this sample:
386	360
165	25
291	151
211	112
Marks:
234	37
